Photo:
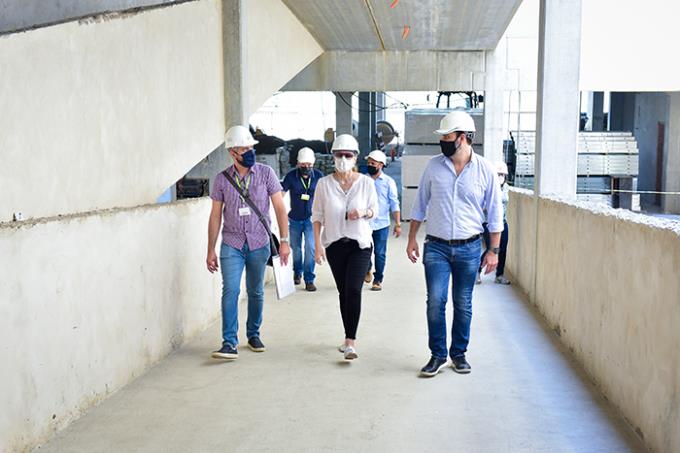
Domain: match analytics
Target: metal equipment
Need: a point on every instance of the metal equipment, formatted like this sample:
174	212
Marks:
421	144
603	159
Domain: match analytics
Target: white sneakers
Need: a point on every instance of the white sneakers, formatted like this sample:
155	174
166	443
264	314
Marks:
349	352
502	280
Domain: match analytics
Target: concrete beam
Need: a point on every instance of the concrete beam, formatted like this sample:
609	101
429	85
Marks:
557	112
22	14
392	71
258	64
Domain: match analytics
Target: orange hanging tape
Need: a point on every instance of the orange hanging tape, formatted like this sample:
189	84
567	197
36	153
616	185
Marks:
394	3
406	31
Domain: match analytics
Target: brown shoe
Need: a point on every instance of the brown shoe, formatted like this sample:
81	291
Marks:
377	286
310	287
368	277
297	280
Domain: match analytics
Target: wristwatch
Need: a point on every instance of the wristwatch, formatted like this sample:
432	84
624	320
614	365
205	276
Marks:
495	250
286	239
397	225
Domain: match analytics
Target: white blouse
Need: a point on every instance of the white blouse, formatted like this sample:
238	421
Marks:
332	204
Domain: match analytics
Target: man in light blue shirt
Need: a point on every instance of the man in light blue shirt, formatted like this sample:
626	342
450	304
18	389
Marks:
455	189
388	202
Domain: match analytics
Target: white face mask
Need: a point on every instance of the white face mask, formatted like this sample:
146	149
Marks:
343	164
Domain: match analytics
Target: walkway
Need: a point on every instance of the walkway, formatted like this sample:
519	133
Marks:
524	394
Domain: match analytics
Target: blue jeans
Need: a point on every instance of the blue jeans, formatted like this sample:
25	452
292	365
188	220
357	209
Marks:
298	229
441	262
380	238
232	262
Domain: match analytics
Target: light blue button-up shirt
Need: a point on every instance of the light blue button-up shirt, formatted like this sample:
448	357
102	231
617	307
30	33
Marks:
388	201
454	204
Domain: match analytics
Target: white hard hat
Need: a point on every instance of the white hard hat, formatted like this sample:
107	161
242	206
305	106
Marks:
501	168
378	156
345	142
456	122
306	156
238	136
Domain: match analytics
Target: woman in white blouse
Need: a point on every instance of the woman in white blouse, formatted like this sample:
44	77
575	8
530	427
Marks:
344	202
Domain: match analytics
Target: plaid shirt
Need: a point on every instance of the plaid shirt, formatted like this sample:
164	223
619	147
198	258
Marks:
238	229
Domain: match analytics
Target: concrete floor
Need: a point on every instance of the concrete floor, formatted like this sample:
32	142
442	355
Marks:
524	394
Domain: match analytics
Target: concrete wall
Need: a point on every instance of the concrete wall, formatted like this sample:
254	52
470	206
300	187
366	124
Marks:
607	281
108	112
89	303
522	224
17	14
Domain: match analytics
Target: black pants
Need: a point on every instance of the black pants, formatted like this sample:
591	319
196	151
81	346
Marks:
503	252
349	263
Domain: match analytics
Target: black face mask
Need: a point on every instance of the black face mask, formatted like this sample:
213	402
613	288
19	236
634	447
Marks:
305	171
373	170
448	148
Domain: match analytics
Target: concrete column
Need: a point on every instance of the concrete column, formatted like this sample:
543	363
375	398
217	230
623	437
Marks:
622	111
557	111
494	87
234	60
381	100
374	108
343	112
595	110
365	124
671	165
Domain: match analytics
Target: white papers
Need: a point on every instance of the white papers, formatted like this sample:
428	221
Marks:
283	277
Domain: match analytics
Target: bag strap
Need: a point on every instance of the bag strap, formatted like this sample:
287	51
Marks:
251	204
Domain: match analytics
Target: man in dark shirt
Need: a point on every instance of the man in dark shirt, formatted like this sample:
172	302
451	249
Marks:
301	183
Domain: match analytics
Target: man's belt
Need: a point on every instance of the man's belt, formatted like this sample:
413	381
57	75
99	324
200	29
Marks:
453	241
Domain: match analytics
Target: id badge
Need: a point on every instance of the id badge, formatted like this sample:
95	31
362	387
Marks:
305	197
244	211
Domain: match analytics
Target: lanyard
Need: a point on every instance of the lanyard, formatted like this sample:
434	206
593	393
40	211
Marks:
246	186
308	185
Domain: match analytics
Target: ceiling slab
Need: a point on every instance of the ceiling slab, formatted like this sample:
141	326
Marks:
361	25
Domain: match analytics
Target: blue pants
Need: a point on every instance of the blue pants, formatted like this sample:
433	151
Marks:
232	262
298	230
380	238
442	262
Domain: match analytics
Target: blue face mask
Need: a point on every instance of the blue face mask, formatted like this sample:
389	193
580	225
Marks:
248	158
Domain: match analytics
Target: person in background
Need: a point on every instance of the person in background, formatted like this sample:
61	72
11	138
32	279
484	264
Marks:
301	183
344	204
502	173
245	241
455	190
388	202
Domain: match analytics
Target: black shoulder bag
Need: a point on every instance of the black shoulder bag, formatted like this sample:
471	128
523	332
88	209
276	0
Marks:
273	240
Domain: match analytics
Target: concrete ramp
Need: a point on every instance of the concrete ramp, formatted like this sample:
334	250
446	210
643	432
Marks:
524	394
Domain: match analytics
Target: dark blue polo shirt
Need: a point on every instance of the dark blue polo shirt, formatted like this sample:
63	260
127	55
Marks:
300	209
